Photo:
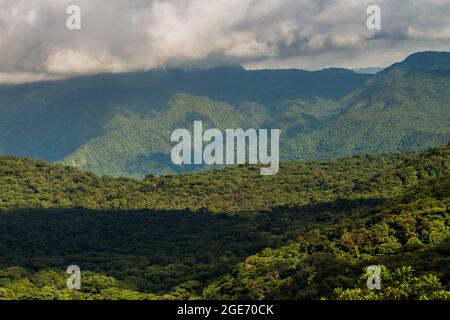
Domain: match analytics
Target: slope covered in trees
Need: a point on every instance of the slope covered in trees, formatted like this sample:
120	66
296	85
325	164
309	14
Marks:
405	107
305	233
62	116
26	183
411	231
120	125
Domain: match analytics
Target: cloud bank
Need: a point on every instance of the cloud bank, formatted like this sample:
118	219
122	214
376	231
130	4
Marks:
119	36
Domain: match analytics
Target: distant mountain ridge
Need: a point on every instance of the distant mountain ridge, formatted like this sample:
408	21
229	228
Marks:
428	60
120	124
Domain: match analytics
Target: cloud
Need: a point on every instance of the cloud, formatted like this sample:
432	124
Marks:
82	61
119	35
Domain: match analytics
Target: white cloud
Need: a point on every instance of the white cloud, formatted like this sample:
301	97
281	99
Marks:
122	35
67	61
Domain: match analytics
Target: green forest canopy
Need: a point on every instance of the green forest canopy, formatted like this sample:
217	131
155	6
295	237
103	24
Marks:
306	233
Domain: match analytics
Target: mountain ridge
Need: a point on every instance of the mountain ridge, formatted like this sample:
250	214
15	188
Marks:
113	124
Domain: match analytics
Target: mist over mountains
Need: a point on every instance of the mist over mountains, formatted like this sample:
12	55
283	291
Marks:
120	124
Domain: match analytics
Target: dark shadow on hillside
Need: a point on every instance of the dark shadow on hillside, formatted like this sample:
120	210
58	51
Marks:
154	250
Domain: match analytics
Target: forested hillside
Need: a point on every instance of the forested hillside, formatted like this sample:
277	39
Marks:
305	233
90	112
405	107
120	125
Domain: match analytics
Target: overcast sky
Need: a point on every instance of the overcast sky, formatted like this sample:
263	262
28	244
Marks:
124	35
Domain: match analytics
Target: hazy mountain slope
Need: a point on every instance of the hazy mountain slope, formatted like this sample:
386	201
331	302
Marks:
402	108
50	120
138	145
120	124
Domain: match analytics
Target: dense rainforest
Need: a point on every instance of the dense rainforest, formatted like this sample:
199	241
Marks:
307	233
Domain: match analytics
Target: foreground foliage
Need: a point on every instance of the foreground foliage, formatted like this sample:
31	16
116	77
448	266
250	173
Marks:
307	233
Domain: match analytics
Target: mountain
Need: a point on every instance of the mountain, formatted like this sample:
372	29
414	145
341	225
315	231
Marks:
120	124
422	61
306	233
53	120
405	107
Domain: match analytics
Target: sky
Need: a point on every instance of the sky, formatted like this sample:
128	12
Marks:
129	35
